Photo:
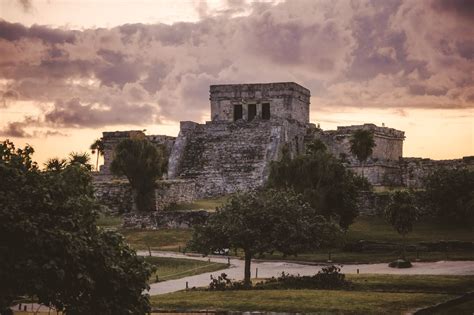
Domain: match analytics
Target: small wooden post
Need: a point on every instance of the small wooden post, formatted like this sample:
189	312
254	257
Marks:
149	251
228	261
256	273
357	270
187	286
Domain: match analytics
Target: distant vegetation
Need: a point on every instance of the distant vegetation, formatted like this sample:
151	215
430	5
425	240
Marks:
323	182
142	163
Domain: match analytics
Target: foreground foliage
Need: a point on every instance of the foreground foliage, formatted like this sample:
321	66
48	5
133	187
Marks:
262	222
50	248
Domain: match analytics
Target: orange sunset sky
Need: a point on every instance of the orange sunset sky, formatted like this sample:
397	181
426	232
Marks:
71	69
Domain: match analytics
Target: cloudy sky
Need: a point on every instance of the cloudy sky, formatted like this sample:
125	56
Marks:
70	69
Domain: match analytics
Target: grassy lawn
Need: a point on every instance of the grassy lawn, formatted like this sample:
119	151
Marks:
366	228
201	204
412	283
466	308
107	221
165	239
376	229
371	257
371	294
346	302
175	268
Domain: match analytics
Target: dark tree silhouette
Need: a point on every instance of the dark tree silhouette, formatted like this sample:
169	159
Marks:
402	213
362	145
97	147
142	163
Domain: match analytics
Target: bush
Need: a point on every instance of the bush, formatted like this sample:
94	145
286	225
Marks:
222	283
330	277
400	263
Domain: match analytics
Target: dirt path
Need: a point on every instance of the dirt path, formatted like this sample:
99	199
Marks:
275	268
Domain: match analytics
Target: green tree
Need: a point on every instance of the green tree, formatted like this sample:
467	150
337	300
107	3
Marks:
97	147
362	145
50	247
142	163
80	159
55	164
323	182
449	195
402	213
262	222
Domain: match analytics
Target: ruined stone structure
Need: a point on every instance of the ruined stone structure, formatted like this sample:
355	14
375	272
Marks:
250	125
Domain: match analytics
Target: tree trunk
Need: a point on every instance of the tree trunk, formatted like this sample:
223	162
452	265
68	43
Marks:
97	162
403	247
135	196
248	260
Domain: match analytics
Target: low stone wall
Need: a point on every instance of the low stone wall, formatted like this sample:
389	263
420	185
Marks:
116	195
165	219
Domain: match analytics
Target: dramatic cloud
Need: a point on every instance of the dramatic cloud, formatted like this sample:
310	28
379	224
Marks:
76	114
382	54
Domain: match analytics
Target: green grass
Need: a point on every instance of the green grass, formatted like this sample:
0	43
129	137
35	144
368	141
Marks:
175	268
466	308
366	228
376	229
202	204
107	221
412	283
164	239
339	256
370	294
346	302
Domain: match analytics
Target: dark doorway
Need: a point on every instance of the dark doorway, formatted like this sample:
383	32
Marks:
252	110
237	112
266	111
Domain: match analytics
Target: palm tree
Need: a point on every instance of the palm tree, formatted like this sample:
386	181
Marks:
81	159
362	145
97	146
142	163
55	164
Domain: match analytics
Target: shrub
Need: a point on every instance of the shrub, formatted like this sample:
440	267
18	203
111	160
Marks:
330	277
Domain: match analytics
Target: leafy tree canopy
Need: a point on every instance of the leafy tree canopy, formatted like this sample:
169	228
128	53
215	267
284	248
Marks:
402	211
323	181
449	195
142	163
362	144
50	247
262	222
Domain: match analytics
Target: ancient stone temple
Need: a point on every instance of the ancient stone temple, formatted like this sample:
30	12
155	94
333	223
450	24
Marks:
250	124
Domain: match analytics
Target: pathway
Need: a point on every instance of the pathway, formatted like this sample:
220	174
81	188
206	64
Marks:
267	269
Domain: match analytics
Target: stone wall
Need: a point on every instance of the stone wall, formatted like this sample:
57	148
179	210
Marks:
112	139
116	195
388	142
287	100
223	157
414	170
